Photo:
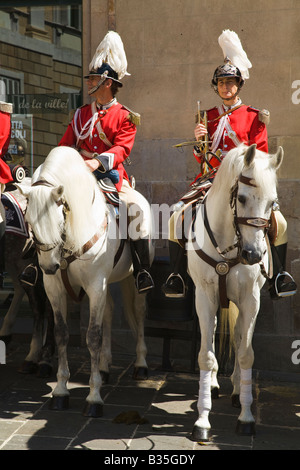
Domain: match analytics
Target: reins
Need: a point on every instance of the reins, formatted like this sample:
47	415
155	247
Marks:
223	267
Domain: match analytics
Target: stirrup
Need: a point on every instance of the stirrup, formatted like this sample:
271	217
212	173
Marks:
149	281
174	295
288	293
29	279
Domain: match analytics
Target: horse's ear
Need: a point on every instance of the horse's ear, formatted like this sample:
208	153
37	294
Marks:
57	192
249	155
277	158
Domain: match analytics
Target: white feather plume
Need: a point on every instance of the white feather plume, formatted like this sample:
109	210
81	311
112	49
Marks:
111	51
232	48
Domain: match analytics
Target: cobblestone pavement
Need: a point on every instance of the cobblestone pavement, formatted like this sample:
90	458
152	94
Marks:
162	408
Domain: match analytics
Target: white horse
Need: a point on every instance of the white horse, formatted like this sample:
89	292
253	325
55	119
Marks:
77	239
229	259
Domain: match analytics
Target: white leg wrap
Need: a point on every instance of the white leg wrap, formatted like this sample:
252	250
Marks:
204	400
246	387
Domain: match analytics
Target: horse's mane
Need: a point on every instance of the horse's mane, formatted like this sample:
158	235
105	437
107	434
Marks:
65	166
233	165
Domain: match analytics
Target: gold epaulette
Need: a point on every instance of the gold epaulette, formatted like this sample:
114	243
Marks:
264	116
133	117
6	107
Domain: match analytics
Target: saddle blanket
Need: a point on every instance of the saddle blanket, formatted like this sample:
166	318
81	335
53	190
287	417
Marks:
14	215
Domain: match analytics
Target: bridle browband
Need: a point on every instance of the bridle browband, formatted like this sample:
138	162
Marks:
223	267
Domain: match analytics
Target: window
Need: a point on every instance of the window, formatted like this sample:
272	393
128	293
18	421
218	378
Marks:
9	86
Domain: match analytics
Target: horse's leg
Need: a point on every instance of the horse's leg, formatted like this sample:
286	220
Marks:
11	315
45	365
37	301
246	422
105	355
214	380
206	359
236	375
60	395
94	402
135	311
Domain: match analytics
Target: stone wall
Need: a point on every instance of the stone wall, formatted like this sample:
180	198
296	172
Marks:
172	51
46	70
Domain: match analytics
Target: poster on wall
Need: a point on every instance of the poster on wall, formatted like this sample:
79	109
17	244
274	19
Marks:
20	149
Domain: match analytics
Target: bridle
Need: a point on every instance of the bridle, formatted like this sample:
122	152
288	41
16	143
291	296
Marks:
67	255
223	267
44	246
258	222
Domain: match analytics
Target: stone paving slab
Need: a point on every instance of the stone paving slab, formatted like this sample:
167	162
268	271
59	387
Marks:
166	402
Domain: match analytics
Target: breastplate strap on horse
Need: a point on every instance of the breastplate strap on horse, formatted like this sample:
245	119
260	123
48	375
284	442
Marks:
223	267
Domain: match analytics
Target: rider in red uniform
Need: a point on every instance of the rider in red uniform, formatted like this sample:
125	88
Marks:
229	125
104	132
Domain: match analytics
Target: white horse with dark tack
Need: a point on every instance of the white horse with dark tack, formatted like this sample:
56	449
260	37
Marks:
229	261
77	239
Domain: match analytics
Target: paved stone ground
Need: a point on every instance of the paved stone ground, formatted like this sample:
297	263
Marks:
166	403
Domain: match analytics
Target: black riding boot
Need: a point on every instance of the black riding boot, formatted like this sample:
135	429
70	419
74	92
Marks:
282	283
141	264
174	286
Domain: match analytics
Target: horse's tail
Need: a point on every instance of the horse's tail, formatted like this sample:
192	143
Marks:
228	318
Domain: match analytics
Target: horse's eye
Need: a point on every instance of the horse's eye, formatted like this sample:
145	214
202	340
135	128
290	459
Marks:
242	199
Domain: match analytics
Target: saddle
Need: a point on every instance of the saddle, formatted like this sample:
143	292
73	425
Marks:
273	229
196	193
110	191
14	214
191	200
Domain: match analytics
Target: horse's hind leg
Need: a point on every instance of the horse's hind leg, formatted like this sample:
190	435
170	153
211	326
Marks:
135	311
214	375
236	375
11	315
38	302
246	422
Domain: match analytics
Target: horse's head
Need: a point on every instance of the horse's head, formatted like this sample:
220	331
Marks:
46	211
252	202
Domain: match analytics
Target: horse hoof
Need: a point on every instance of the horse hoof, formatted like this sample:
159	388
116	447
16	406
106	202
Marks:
28	367
245	429
6	339
59	403
200	434
93	410
215	393
140	373
235	401
104	377
44	371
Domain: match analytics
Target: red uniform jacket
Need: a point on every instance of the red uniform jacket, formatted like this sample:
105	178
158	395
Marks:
241	126
5	130
89	124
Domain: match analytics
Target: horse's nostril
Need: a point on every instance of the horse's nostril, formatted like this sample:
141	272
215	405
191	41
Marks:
251	257
50	271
